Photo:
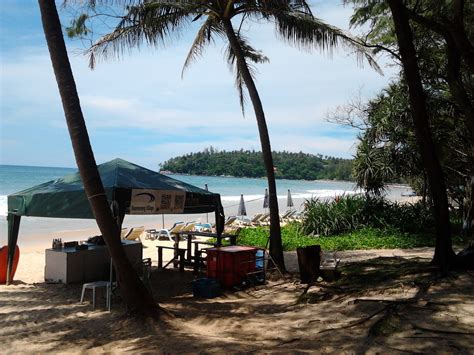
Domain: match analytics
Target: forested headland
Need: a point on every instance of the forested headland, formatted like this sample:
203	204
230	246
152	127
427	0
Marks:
248	163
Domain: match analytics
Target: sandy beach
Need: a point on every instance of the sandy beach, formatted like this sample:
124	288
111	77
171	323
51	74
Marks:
386	301
422	312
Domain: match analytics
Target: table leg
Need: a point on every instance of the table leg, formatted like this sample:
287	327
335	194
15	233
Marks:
188	257
181	260
160	258
176	250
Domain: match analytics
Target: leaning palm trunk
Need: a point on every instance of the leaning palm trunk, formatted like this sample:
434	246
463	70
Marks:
136	295
444	255
276	251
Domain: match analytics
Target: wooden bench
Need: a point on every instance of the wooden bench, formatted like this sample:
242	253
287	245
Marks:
177	258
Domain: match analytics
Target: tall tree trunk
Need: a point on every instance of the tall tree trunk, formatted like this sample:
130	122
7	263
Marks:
454	34
134	292
460	96
468	208
444	254
459	34
276	248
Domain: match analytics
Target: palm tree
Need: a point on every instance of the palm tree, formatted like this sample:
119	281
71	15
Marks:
444	255
138	299
153	22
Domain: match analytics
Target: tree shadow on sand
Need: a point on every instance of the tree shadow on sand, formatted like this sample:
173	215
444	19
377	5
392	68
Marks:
378	305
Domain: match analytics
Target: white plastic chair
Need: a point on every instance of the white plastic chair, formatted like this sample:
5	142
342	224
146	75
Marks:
92	286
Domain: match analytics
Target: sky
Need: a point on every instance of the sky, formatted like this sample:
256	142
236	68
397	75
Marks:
140	109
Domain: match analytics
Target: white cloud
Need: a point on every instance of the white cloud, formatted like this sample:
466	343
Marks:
144	93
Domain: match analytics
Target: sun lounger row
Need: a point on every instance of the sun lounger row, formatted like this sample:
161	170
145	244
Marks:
178	227
261	219
231	225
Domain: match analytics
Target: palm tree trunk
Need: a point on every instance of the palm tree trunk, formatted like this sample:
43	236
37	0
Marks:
276	248
444	254
135	293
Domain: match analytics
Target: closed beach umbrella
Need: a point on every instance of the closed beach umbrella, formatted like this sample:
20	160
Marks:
266	200
207	214
242	211
289	200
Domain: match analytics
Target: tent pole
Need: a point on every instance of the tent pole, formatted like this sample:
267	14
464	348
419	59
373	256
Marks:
13	228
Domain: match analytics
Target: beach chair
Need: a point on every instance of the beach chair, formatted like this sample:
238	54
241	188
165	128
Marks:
264	220
169	233
256	218
231	223
123	233
189	227
287	214
134	233
203	227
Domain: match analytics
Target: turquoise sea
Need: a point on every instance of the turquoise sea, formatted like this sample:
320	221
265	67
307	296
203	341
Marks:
17	178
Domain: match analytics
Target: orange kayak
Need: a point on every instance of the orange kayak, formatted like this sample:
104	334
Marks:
3	263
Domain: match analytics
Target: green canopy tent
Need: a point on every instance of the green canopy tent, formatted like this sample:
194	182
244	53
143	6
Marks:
130	189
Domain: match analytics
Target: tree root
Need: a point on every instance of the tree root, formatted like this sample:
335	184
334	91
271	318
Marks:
416	326
363	320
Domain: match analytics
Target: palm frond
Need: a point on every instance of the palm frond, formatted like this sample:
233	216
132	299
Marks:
251	55
310	32
152	23
266	8
204	37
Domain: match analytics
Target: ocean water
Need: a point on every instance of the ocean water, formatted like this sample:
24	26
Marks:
17	178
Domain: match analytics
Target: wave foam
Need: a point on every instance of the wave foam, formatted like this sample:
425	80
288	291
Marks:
299	195
3	205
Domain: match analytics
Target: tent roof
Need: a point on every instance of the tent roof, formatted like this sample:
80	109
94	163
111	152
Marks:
65	197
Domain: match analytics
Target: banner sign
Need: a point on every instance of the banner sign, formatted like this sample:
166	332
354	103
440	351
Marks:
145	201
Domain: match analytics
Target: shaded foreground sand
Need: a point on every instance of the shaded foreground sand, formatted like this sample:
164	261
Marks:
386	300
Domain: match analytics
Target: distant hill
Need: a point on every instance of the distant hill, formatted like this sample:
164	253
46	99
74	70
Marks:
246	163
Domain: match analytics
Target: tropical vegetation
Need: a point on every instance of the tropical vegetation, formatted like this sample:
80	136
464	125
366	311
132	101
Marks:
421	127
359	239
247	163
354	222
155	22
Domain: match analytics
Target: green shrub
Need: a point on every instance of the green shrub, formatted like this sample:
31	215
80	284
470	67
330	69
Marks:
350	213
362	238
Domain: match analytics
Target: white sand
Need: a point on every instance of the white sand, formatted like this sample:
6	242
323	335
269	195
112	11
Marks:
37	318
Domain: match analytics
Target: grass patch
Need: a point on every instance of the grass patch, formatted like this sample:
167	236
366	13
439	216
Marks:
363	238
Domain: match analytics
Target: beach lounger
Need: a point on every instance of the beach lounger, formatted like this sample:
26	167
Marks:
203	227
231	224
189	227
264	220
123	233
169	233
230	220
134	233
287	214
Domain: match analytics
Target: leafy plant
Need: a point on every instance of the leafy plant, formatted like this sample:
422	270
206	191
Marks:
349	213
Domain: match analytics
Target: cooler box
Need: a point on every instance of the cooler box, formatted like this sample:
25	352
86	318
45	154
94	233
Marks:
206	288
230	265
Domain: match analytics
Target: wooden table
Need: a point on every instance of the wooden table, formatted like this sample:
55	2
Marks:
189	237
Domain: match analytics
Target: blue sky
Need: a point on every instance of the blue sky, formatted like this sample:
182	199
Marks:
138	108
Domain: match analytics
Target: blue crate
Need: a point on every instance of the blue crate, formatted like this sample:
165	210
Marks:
206	288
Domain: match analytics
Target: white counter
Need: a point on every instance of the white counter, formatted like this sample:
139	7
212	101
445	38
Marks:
68	265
